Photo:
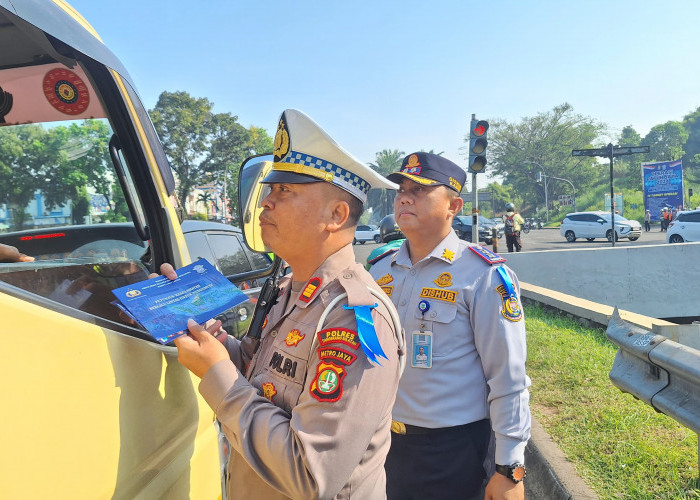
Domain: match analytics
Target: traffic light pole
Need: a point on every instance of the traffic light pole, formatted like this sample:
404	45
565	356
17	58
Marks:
475	211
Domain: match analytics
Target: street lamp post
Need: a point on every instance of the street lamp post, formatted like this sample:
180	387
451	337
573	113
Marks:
572	187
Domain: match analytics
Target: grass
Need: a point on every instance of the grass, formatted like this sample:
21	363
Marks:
620	446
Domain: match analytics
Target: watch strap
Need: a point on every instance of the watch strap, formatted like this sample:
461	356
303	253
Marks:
515	472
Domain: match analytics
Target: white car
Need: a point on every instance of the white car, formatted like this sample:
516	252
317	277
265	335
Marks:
367	233
685	227
592	225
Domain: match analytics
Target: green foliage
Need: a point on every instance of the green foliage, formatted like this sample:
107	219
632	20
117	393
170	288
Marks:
666	142
382	200
543	143
61	162
199	143
620	446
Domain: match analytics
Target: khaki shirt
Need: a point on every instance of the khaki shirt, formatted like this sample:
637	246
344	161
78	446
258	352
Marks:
311	418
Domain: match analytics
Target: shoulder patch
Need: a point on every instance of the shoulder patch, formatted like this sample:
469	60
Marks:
487	255
327	385
342	335
310	289
336	354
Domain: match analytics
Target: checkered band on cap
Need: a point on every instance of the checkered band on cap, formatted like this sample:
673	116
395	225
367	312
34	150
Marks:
343	178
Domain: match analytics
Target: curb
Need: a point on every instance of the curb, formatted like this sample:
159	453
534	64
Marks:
550	475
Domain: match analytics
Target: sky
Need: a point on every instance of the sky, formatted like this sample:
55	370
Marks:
408	75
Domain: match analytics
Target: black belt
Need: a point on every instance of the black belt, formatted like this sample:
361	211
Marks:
401	428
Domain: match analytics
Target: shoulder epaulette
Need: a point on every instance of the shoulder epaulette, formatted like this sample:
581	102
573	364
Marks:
487	255
381	256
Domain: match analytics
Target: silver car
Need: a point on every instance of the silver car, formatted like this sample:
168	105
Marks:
592	225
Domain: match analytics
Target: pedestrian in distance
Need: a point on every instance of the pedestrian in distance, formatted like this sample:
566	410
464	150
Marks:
647	221
512	224
465	381
307	409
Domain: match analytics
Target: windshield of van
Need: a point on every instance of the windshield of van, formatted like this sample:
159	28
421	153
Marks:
60	199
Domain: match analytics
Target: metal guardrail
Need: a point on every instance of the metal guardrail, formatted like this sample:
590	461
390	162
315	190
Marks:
662	373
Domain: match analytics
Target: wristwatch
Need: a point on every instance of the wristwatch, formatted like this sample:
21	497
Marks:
515	472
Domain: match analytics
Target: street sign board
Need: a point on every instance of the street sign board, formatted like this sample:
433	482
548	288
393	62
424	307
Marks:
469	197
616	151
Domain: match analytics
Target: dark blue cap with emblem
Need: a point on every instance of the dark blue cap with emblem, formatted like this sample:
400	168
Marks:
431	170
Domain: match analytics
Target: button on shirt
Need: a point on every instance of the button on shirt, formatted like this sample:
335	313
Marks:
311	418
478	345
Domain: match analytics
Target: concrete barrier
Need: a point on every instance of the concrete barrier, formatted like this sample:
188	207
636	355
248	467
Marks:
645	279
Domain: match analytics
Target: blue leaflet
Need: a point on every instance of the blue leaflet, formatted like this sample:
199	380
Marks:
163	307
368	335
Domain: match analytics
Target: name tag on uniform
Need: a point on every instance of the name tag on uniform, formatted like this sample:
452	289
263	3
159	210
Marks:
422	349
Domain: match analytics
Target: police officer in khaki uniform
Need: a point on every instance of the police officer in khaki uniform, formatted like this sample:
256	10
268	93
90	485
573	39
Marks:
307	408
459	308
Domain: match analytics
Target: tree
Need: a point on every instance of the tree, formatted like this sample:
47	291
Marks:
543	143
666	142
627	168
260	143
691	158
199	144
382	200
208	199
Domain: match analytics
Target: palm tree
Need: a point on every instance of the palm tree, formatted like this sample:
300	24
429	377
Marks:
208	199
382	200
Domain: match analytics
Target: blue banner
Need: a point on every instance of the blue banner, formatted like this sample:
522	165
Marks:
663	186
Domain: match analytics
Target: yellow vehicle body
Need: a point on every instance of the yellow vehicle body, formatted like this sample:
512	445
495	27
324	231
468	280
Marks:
91	406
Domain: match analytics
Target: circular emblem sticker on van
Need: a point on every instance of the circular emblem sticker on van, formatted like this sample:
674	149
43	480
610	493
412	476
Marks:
66	92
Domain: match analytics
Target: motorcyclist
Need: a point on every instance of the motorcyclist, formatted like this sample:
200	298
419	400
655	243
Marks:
392	237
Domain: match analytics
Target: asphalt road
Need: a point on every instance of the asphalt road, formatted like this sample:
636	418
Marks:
548	239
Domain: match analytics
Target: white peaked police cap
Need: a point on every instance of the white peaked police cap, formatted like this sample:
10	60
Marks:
304	153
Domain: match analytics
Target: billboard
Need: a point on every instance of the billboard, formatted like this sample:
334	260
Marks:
663	186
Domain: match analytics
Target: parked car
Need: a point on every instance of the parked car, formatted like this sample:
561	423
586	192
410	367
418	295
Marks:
462	224
685	227
498	222
367	233
597	224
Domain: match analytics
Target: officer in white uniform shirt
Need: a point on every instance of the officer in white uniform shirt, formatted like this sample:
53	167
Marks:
459	303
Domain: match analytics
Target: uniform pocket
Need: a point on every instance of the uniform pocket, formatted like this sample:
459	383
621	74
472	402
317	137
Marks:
439	320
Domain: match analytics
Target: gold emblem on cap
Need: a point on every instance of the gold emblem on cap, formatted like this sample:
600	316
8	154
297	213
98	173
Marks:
281	140
455	184
445	279
412	161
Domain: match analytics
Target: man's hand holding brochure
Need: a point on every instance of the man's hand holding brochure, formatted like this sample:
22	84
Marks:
163	305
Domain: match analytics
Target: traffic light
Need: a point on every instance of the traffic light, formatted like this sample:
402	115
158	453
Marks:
477	145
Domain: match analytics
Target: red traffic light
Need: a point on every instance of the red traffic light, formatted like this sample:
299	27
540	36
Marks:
480	128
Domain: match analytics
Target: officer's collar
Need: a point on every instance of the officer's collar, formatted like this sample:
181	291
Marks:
447	250
326	272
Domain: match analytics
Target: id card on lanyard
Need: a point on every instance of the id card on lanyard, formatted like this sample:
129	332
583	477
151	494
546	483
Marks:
422	349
